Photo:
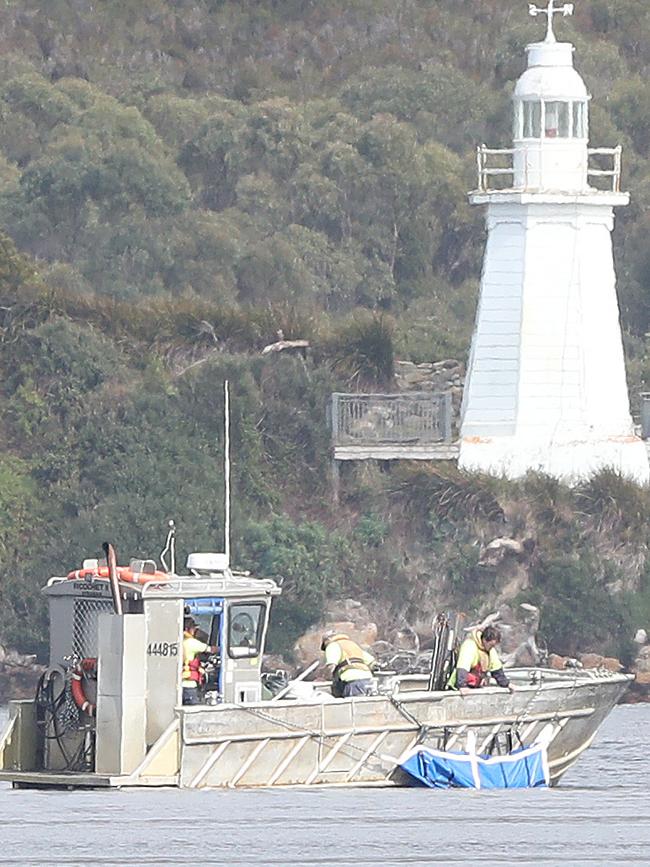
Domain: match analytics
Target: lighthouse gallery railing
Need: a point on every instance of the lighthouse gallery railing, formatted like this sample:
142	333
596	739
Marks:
485	157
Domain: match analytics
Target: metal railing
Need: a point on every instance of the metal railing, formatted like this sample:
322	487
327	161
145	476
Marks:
486	171
412	418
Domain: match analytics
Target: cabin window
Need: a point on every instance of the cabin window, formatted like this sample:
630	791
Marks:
206	612
245	627
532	117
208	628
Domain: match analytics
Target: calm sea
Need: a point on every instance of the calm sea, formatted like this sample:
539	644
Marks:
599	815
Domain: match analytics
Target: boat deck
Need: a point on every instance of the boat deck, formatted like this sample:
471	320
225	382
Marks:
80	780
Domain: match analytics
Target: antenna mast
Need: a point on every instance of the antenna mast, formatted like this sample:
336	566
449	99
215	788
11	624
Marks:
226	469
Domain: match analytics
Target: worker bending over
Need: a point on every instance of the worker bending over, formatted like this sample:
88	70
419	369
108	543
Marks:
478	658
352	666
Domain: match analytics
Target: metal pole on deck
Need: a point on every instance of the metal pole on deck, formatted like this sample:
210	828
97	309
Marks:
111	560
226	474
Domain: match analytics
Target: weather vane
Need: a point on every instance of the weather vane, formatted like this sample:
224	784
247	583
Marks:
565	9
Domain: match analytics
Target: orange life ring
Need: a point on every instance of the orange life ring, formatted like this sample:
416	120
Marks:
123	574
76	685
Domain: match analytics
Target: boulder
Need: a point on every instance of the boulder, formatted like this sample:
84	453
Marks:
518	626
447	364
612	664
642	662
519	630
428	376
641	637
591	660
525	654
348	610
496	550
405	638
556	662
307	647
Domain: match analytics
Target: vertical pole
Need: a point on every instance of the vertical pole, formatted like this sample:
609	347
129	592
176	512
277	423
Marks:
226	470
550	36
113	577
617	169
334	417
336	481
448	406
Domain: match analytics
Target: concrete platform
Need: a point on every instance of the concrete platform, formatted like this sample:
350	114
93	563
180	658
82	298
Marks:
398	452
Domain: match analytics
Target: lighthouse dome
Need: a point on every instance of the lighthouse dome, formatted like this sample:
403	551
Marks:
551	74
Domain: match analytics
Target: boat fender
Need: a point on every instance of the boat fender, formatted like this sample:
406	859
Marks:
79	673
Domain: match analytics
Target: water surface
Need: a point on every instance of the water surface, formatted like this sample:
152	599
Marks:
599	815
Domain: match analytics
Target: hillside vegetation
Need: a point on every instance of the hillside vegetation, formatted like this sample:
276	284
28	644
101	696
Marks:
179	180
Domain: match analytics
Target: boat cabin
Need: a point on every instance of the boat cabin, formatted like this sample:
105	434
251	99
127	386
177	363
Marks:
126	669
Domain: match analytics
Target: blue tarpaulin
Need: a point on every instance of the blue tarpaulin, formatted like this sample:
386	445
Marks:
521	769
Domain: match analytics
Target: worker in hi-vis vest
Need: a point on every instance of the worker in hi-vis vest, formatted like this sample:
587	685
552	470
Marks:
352	666
477	659
193	673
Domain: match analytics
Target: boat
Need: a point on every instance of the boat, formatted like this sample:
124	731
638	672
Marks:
108	711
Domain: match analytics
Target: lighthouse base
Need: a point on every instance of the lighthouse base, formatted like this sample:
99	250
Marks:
571	462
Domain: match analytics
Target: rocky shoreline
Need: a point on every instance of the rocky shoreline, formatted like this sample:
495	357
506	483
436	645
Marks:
405	648
19	675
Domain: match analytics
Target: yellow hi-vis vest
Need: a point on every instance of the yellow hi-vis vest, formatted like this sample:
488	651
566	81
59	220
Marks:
192	671
473	657
351	661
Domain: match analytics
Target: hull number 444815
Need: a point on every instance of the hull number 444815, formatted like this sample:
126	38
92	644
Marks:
162	648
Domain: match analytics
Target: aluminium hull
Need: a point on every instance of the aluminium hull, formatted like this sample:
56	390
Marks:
358	742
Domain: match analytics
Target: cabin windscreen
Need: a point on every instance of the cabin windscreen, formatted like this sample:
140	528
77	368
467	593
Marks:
245	629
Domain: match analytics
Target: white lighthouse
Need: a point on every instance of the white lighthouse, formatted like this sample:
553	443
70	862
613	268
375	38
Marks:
546	386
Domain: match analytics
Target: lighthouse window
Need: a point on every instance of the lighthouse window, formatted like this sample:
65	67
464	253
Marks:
556	120
579	120
532	119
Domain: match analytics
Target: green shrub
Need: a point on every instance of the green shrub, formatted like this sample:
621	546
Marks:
362	351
